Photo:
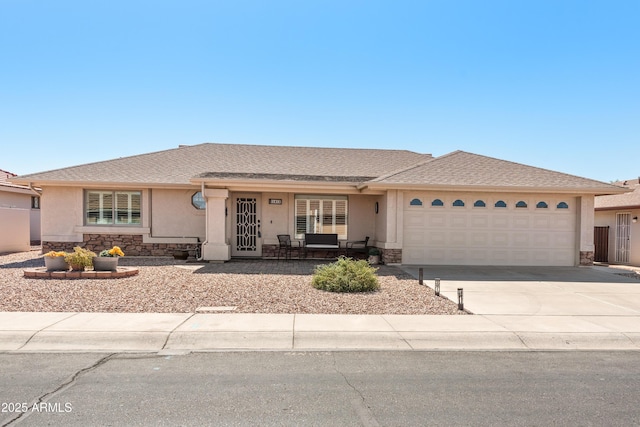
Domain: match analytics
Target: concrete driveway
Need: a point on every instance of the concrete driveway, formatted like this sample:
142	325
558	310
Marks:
538	291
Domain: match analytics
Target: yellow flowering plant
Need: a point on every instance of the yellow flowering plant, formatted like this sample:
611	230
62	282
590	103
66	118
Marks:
53	254
113	252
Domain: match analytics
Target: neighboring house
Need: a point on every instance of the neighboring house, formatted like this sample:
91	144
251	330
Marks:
19	214
460	208
617	231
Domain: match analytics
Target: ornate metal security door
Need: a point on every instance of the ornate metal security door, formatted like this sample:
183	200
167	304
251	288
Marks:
247	238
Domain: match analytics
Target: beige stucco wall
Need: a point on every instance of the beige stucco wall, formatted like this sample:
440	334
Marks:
22	199
173	215
167	217
362	217
608	218
61	212
14	229
277	219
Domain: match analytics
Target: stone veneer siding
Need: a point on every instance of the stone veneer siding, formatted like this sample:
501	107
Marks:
391	256
131	245
586	257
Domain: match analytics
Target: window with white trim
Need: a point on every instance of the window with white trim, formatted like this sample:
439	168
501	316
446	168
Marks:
321	214
112	207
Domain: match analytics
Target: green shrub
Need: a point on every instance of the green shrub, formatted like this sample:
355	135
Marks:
346	275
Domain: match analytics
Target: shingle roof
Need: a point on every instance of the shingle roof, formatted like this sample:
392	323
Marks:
177	166
464	169
367	167
626	200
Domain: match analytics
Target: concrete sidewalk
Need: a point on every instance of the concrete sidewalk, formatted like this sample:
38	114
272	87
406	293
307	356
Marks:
515	308
177	333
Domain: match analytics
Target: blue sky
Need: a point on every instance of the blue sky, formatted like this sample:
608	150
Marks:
553	84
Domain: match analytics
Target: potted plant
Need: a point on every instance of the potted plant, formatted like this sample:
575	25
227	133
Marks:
80	258
374	256
107	260
54	261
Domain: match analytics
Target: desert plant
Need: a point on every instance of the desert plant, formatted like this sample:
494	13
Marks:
346	275
80	257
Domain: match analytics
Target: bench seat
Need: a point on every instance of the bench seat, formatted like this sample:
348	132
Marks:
321	242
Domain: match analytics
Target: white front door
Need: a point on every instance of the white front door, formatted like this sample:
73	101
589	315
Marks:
623	228
247	233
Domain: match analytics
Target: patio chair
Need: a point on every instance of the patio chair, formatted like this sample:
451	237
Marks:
285	246
358	247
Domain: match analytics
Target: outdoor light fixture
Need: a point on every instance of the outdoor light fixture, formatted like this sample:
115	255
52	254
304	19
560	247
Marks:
460	302
437	287
634	219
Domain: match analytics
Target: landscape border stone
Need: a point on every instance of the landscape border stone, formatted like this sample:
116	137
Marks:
42	273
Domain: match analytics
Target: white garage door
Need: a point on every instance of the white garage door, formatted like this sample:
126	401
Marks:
486	229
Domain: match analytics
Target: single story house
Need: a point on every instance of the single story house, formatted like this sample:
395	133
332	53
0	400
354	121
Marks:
617	231
459	208
19	214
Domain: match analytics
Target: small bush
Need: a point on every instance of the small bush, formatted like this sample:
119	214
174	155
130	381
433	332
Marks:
346	275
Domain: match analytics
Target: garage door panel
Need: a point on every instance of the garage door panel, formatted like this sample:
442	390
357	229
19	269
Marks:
542	240
489	235
563	239
477	256
500	221
436	220
480	238
520	239
520	257
562	222
540	257
458	256
458	238
500	239
414	219
499	257
416	236
436	239
521	221
479	221
542	222
458	221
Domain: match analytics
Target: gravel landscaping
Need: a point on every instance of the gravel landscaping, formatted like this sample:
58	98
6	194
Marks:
165	285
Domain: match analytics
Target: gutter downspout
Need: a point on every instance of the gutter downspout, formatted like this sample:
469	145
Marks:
33	190
206	222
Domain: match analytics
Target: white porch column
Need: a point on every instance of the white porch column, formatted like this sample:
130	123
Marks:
586	220
216	247
392	244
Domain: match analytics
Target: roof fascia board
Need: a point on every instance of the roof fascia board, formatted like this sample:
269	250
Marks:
618	208
107	184
503	189
271	184
14	189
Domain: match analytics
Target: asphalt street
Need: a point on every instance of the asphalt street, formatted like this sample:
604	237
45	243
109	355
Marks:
340	388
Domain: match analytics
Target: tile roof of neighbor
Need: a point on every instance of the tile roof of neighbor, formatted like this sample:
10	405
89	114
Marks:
177	166
464	169
626	200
